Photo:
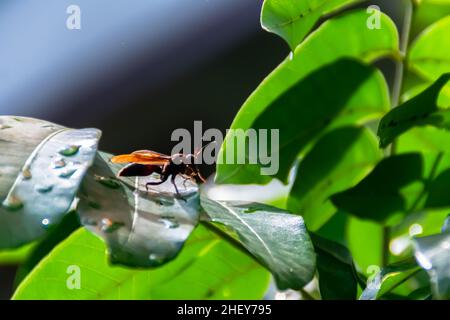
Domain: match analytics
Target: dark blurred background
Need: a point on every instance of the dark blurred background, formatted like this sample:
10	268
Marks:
137	69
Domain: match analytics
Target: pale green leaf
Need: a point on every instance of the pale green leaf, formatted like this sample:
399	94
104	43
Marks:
371	99
293	19
428	55
208	268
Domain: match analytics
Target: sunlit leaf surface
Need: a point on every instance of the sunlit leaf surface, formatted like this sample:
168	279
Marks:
427	12
279	240
293	19
429	54
207	268
143	228
369	101
42	166
365	242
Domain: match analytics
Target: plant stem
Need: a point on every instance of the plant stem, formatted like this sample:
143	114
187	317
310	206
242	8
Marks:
395	98
400	65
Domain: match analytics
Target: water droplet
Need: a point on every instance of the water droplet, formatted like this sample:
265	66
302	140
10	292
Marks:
94	205
69	150
44	188
108	182
26	174
67	173
12	203
156	258
291	270
45	222
169	222
415	229
108	226
4	126
59	163
398	245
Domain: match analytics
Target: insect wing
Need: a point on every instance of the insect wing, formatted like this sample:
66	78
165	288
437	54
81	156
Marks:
140	159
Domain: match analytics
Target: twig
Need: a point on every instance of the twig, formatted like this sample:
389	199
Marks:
395	99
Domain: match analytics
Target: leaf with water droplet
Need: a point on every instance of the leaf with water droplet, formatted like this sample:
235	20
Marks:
35	196
108	226
67	173
137	224
13	203
44	188
59	163
108	182
26	173
278	239
70	150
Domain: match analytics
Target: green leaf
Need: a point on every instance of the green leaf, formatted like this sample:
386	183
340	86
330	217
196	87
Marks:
427	12
422	110
388	279
420	294
142	227
16	256
370	101
293	19
425	140
46	177
443	100
56	234
354	154
382	195
327	104
433	255
334	229
277	239
209	267
337	277
365	242
439	191
428	55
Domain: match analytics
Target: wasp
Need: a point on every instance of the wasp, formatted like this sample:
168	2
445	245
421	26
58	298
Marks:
143	163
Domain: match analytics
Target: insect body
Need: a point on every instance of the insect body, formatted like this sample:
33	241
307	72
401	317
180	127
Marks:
146	162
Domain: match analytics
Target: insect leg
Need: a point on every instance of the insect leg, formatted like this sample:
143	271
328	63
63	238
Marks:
155	183
176	188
